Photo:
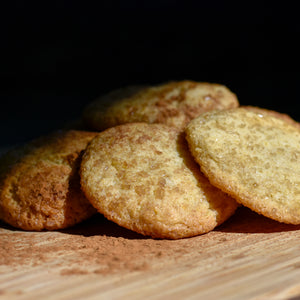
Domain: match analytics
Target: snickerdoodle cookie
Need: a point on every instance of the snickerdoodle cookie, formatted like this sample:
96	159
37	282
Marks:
280	115
173	103
253	157
40	184
143	177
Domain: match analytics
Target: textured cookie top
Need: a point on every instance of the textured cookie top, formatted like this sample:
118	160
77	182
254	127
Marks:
174	104
40	185
251	156
276	114
142	177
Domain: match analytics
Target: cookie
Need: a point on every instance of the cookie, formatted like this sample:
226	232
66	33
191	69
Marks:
253	157
142	177
264	111
173	104
99	114
40	184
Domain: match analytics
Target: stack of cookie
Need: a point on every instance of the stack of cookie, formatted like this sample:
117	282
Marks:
168	161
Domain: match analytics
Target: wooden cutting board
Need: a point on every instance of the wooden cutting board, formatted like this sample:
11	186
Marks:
248	257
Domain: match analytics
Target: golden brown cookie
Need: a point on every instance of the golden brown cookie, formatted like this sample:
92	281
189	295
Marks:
173	103
40	184
253	157
264	111
142	177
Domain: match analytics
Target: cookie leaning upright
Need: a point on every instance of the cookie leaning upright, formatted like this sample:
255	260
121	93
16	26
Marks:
40	185
142	177
173	103
253	157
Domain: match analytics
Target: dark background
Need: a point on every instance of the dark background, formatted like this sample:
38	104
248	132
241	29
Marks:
58	56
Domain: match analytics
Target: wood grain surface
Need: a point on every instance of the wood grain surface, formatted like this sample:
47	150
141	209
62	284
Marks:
248	257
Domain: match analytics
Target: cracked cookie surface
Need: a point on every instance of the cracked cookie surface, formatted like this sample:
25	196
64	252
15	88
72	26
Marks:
173	103
142	177
253	157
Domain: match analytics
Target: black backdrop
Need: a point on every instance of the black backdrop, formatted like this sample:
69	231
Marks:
58	56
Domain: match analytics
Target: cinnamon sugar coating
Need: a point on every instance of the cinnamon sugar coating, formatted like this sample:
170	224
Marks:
142	177
173	103
253	157
40	185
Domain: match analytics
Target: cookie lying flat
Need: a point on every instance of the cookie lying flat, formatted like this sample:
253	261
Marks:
174	104
276	114
40	184
142	177
255	158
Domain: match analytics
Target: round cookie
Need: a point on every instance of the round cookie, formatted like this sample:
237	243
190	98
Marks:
173	103
276	114
143	177
254	158
40	184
